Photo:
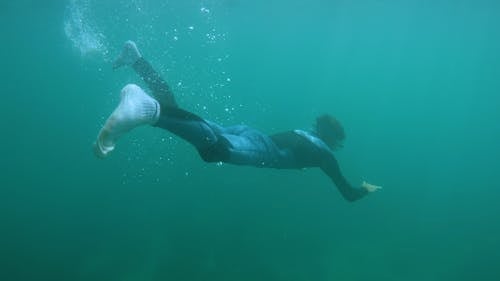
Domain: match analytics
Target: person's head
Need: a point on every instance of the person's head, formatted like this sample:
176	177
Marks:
330	131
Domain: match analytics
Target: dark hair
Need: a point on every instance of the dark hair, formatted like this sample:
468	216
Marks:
330	131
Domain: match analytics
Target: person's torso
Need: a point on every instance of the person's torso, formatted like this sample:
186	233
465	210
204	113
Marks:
300	149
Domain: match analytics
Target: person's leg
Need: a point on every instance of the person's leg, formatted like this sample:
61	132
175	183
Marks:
238	145
130	56
136	108
135	104
202	134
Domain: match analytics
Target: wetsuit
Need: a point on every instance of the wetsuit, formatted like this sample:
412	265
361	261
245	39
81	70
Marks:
242	145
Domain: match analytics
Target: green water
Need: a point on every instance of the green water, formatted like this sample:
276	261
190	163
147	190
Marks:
415	83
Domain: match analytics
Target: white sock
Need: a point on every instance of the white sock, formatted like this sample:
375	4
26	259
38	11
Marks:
136	108
129	55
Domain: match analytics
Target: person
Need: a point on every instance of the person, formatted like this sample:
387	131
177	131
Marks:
240	144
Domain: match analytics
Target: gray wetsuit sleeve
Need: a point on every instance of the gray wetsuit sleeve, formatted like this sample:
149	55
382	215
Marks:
331	167
311	151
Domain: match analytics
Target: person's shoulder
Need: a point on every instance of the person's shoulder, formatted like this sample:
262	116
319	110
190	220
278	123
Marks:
313	139
309	136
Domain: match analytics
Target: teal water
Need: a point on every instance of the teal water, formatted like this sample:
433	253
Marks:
415	83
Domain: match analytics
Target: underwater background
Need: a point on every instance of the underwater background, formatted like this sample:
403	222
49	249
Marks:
416	85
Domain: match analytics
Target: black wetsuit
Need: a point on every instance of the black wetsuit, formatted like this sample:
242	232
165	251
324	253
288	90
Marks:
243	145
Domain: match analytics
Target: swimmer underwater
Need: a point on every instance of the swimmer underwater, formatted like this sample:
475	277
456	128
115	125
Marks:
239	145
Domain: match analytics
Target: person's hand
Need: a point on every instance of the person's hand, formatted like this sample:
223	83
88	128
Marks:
370	187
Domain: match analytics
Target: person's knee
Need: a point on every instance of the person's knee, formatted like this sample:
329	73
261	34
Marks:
210	157
218	152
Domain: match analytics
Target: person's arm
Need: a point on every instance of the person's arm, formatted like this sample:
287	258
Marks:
331	167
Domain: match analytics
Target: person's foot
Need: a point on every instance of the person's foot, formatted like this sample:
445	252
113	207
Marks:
136	108
129	55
